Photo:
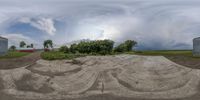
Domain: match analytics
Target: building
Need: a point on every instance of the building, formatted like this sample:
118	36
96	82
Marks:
26	49
3	46
196	46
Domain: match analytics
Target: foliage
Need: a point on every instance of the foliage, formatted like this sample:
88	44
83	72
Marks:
32	45
14	54
95	47
28	46
120	48
130	44
126	46
64	49
12	48
163	52
55	55
73	48
22	44
48	43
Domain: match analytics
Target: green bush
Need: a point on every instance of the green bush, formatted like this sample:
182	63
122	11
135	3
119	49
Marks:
64	49
55	55
73	48
93	47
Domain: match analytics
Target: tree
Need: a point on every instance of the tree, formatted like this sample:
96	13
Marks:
28	46
95	47
120	48
73	48
32	45
22	44
48	43
12	48
64	49
130	44
126	46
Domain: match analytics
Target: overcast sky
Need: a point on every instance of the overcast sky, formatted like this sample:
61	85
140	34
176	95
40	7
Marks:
154	24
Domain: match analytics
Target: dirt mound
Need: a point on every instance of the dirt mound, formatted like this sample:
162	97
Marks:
127	76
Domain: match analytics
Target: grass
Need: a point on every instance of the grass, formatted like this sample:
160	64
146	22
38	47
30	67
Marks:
163	52
13	54
181	54
56	55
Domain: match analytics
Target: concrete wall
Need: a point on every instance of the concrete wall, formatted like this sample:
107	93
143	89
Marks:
3	46
196	46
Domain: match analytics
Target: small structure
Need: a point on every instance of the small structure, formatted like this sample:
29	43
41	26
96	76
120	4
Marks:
3	46
26	49
196	46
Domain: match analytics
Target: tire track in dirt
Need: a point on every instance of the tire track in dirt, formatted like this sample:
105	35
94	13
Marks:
110	75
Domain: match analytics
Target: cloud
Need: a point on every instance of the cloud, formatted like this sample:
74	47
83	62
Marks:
155	24
16	38
44	24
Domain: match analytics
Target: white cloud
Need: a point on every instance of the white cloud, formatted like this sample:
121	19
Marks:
44	24
160	24
16	38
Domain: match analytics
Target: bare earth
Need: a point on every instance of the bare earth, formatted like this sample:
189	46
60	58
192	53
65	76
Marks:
19	62
120	77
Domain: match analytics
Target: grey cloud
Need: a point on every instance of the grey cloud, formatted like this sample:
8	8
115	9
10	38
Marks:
155	24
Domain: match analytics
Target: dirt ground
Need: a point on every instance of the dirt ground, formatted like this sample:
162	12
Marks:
119	77
185	61
19	62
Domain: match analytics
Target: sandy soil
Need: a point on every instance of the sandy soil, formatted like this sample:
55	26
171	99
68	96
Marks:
120	77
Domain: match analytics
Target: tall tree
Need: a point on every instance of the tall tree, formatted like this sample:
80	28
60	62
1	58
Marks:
48	43
130	44
12	48
126	46
32	45
22	44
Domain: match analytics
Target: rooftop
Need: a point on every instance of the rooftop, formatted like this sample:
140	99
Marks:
3	38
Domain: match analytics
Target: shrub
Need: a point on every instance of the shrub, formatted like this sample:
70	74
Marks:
73	48
64	49
55	55
93	47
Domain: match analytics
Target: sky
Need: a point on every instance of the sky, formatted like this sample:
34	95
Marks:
154	24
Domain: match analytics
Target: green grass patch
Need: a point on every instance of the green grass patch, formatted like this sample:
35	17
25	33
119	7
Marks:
167	53
14	54
56	55
163	52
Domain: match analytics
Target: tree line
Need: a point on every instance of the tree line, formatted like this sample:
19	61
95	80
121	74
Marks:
98	47
88	47
22	44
